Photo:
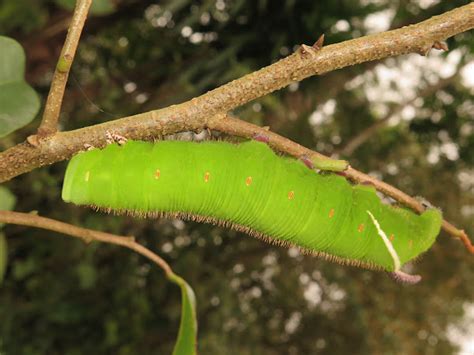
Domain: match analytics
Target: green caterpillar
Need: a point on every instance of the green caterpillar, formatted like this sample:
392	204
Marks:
249	188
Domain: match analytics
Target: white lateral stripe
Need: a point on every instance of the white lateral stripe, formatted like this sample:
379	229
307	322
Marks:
388	244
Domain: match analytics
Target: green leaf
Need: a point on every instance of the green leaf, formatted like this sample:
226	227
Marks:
187	336
7	201
3	256
19	103
12	60
98	7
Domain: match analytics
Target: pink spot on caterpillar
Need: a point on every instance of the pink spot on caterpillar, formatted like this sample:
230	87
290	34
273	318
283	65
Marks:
340	173
157	174
403	277
207	176
392	237
87	176
360	228
410	243
291	195
248	181
261	138
331	213
307	161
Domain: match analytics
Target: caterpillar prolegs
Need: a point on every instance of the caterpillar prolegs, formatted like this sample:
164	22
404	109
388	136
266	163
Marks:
249	188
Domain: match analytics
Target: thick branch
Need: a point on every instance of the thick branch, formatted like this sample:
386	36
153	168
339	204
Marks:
58	85
240	128
193	114
88	235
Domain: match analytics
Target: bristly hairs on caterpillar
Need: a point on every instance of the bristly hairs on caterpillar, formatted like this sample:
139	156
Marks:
179	136
236	227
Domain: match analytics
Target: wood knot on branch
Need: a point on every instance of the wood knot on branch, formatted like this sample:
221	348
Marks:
33	140
441	45
305	50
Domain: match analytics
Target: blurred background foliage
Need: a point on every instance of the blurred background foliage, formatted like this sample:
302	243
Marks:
63	297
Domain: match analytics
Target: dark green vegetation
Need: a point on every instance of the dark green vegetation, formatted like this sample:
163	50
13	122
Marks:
62	297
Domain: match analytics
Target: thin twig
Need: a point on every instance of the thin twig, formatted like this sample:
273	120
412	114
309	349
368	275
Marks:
88	235
244	129
49	123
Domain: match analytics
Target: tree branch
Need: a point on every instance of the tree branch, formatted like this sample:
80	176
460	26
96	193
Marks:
240	128
88	235
52	109
209	110
192	115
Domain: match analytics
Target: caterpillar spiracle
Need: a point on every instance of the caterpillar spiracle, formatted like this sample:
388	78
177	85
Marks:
251	189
